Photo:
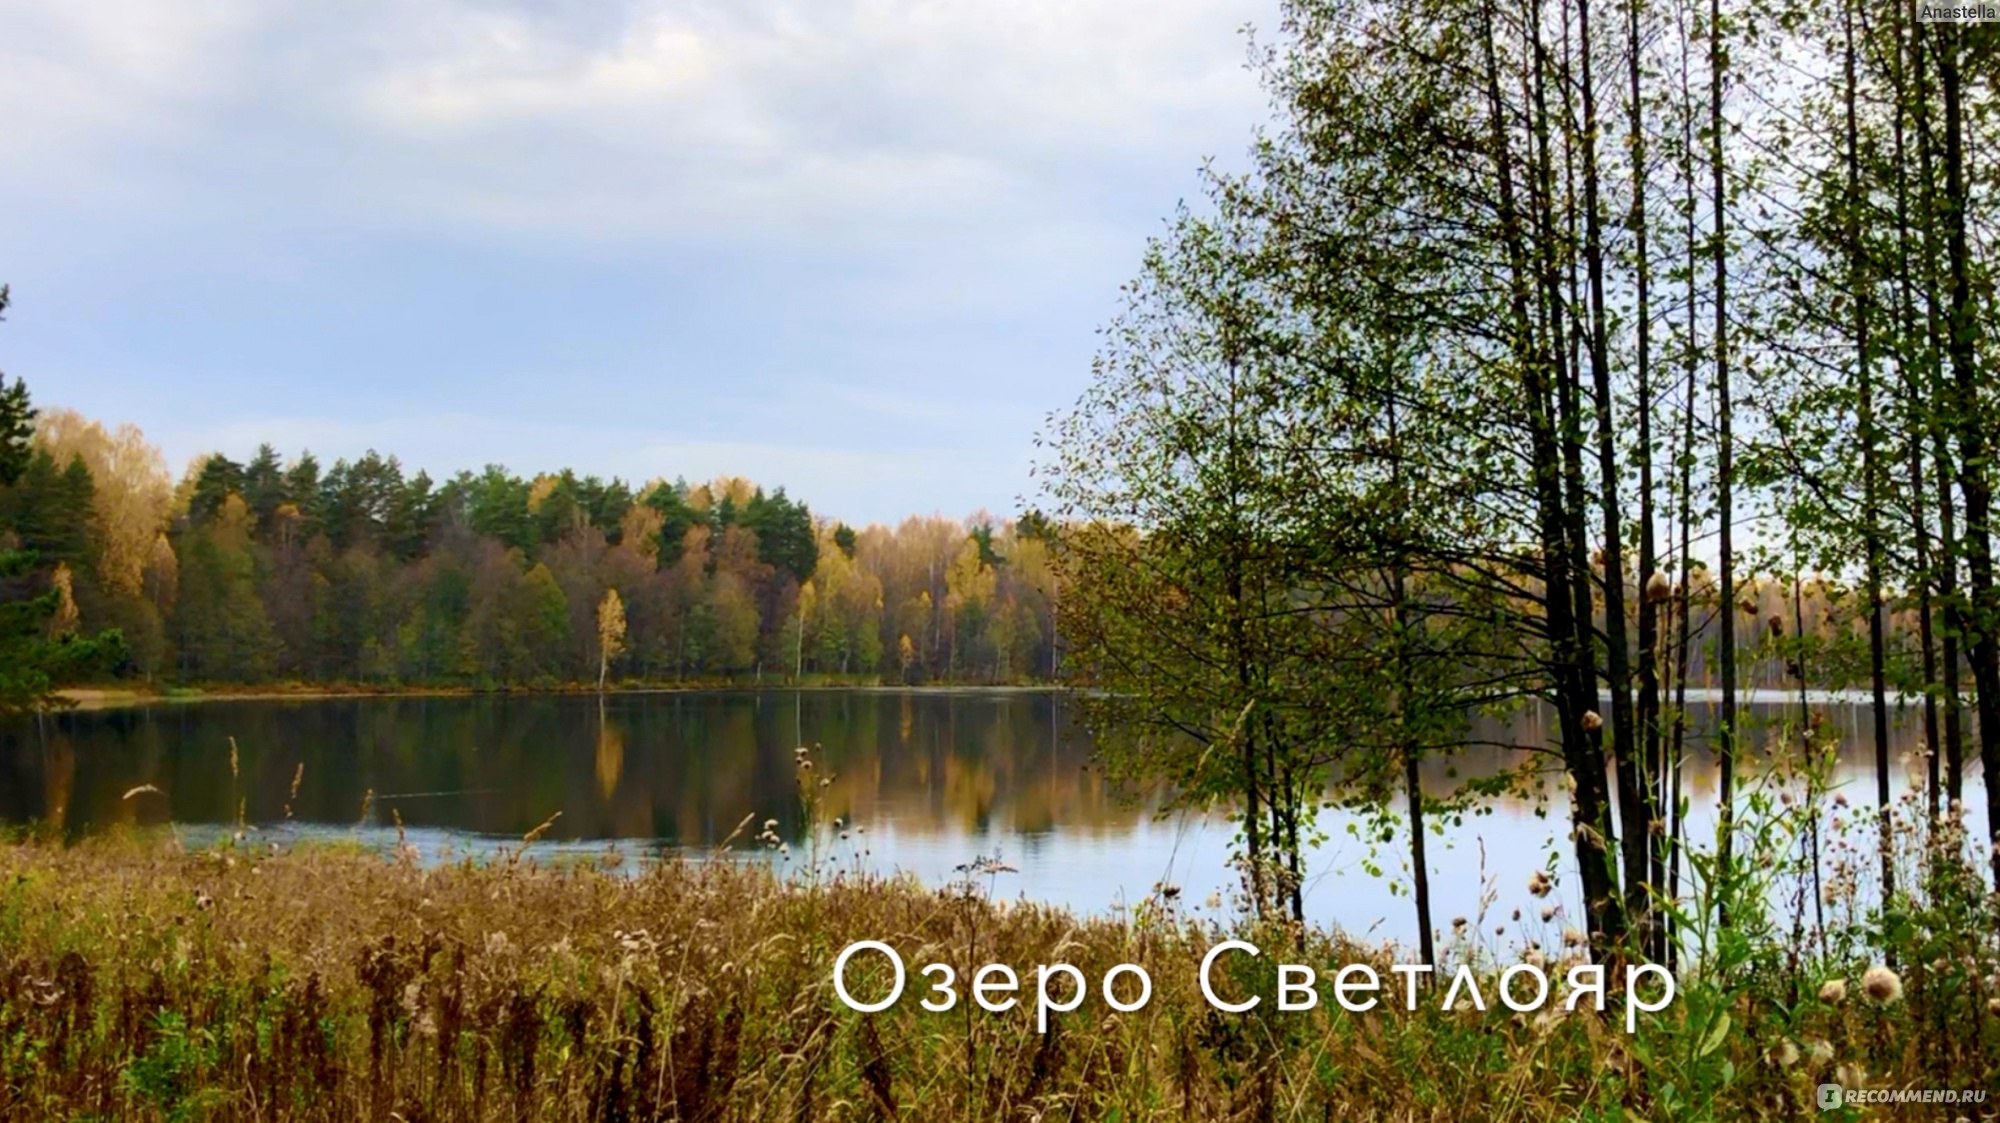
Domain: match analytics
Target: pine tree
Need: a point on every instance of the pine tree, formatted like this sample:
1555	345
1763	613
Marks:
40	647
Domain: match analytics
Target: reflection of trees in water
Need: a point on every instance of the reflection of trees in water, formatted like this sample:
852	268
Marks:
1766	726
681	767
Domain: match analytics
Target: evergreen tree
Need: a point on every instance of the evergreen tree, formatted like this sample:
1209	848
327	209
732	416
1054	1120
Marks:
40	536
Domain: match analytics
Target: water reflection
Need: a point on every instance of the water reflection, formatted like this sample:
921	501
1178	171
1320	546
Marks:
935	779
681	768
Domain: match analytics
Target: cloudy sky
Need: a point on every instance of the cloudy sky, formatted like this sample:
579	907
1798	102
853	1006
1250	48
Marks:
858	248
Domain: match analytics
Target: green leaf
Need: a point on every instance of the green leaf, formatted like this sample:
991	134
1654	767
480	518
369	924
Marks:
1716	1033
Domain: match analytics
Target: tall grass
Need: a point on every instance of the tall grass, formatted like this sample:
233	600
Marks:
139	980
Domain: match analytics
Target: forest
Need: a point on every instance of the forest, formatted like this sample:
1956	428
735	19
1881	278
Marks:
275	570
1576	355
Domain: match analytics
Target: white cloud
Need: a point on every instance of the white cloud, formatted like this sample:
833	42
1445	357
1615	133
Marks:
769	119
754	204
84	82
490	66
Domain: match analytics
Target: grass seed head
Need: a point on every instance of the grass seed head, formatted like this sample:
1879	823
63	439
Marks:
1882	985
1658	588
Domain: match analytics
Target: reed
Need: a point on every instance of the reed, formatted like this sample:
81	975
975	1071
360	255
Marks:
142	980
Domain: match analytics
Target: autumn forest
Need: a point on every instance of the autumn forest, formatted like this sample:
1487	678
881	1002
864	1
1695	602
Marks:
281	569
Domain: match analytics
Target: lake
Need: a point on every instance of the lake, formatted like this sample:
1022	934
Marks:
922	781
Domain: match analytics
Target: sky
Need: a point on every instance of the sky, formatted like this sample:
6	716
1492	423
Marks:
856	248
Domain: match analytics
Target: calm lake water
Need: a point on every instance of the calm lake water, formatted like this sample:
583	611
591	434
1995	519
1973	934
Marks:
932	781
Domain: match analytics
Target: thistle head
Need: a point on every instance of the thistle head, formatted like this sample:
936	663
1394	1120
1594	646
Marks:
1882	985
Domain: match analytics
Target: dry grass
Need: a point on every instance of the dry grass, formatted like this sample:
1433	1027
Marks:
138	981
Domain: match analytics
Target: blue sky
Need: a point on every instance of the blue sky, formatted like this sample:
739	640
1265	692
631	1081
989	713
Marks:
857	248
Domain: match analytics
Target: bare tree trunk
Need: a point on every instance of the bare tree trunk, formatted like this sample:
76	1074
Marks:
1240	653
1936	422
1412	779
1536	359
1870	473
1595	837
1973	481
1909	368
1684	592
1632	811
1649	561
1725	738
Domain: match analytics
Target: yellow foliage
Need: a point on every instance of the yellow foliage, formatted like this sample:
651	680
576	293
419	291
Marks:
539	491
611	625
968	580
64	621
639	530
133	490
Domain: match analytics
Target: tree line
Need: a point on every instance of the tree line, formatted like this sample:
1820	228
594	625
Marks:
1564	353
277	570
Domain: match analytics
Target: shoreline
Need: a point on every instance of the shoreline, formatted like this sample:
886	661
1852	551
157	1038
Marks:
118	698
129	697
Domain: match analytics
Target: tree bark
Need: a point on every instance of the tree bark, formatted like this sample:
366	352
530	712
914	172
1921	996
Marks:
1649	561
1871	530
1632	813
1725	737
1973	481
